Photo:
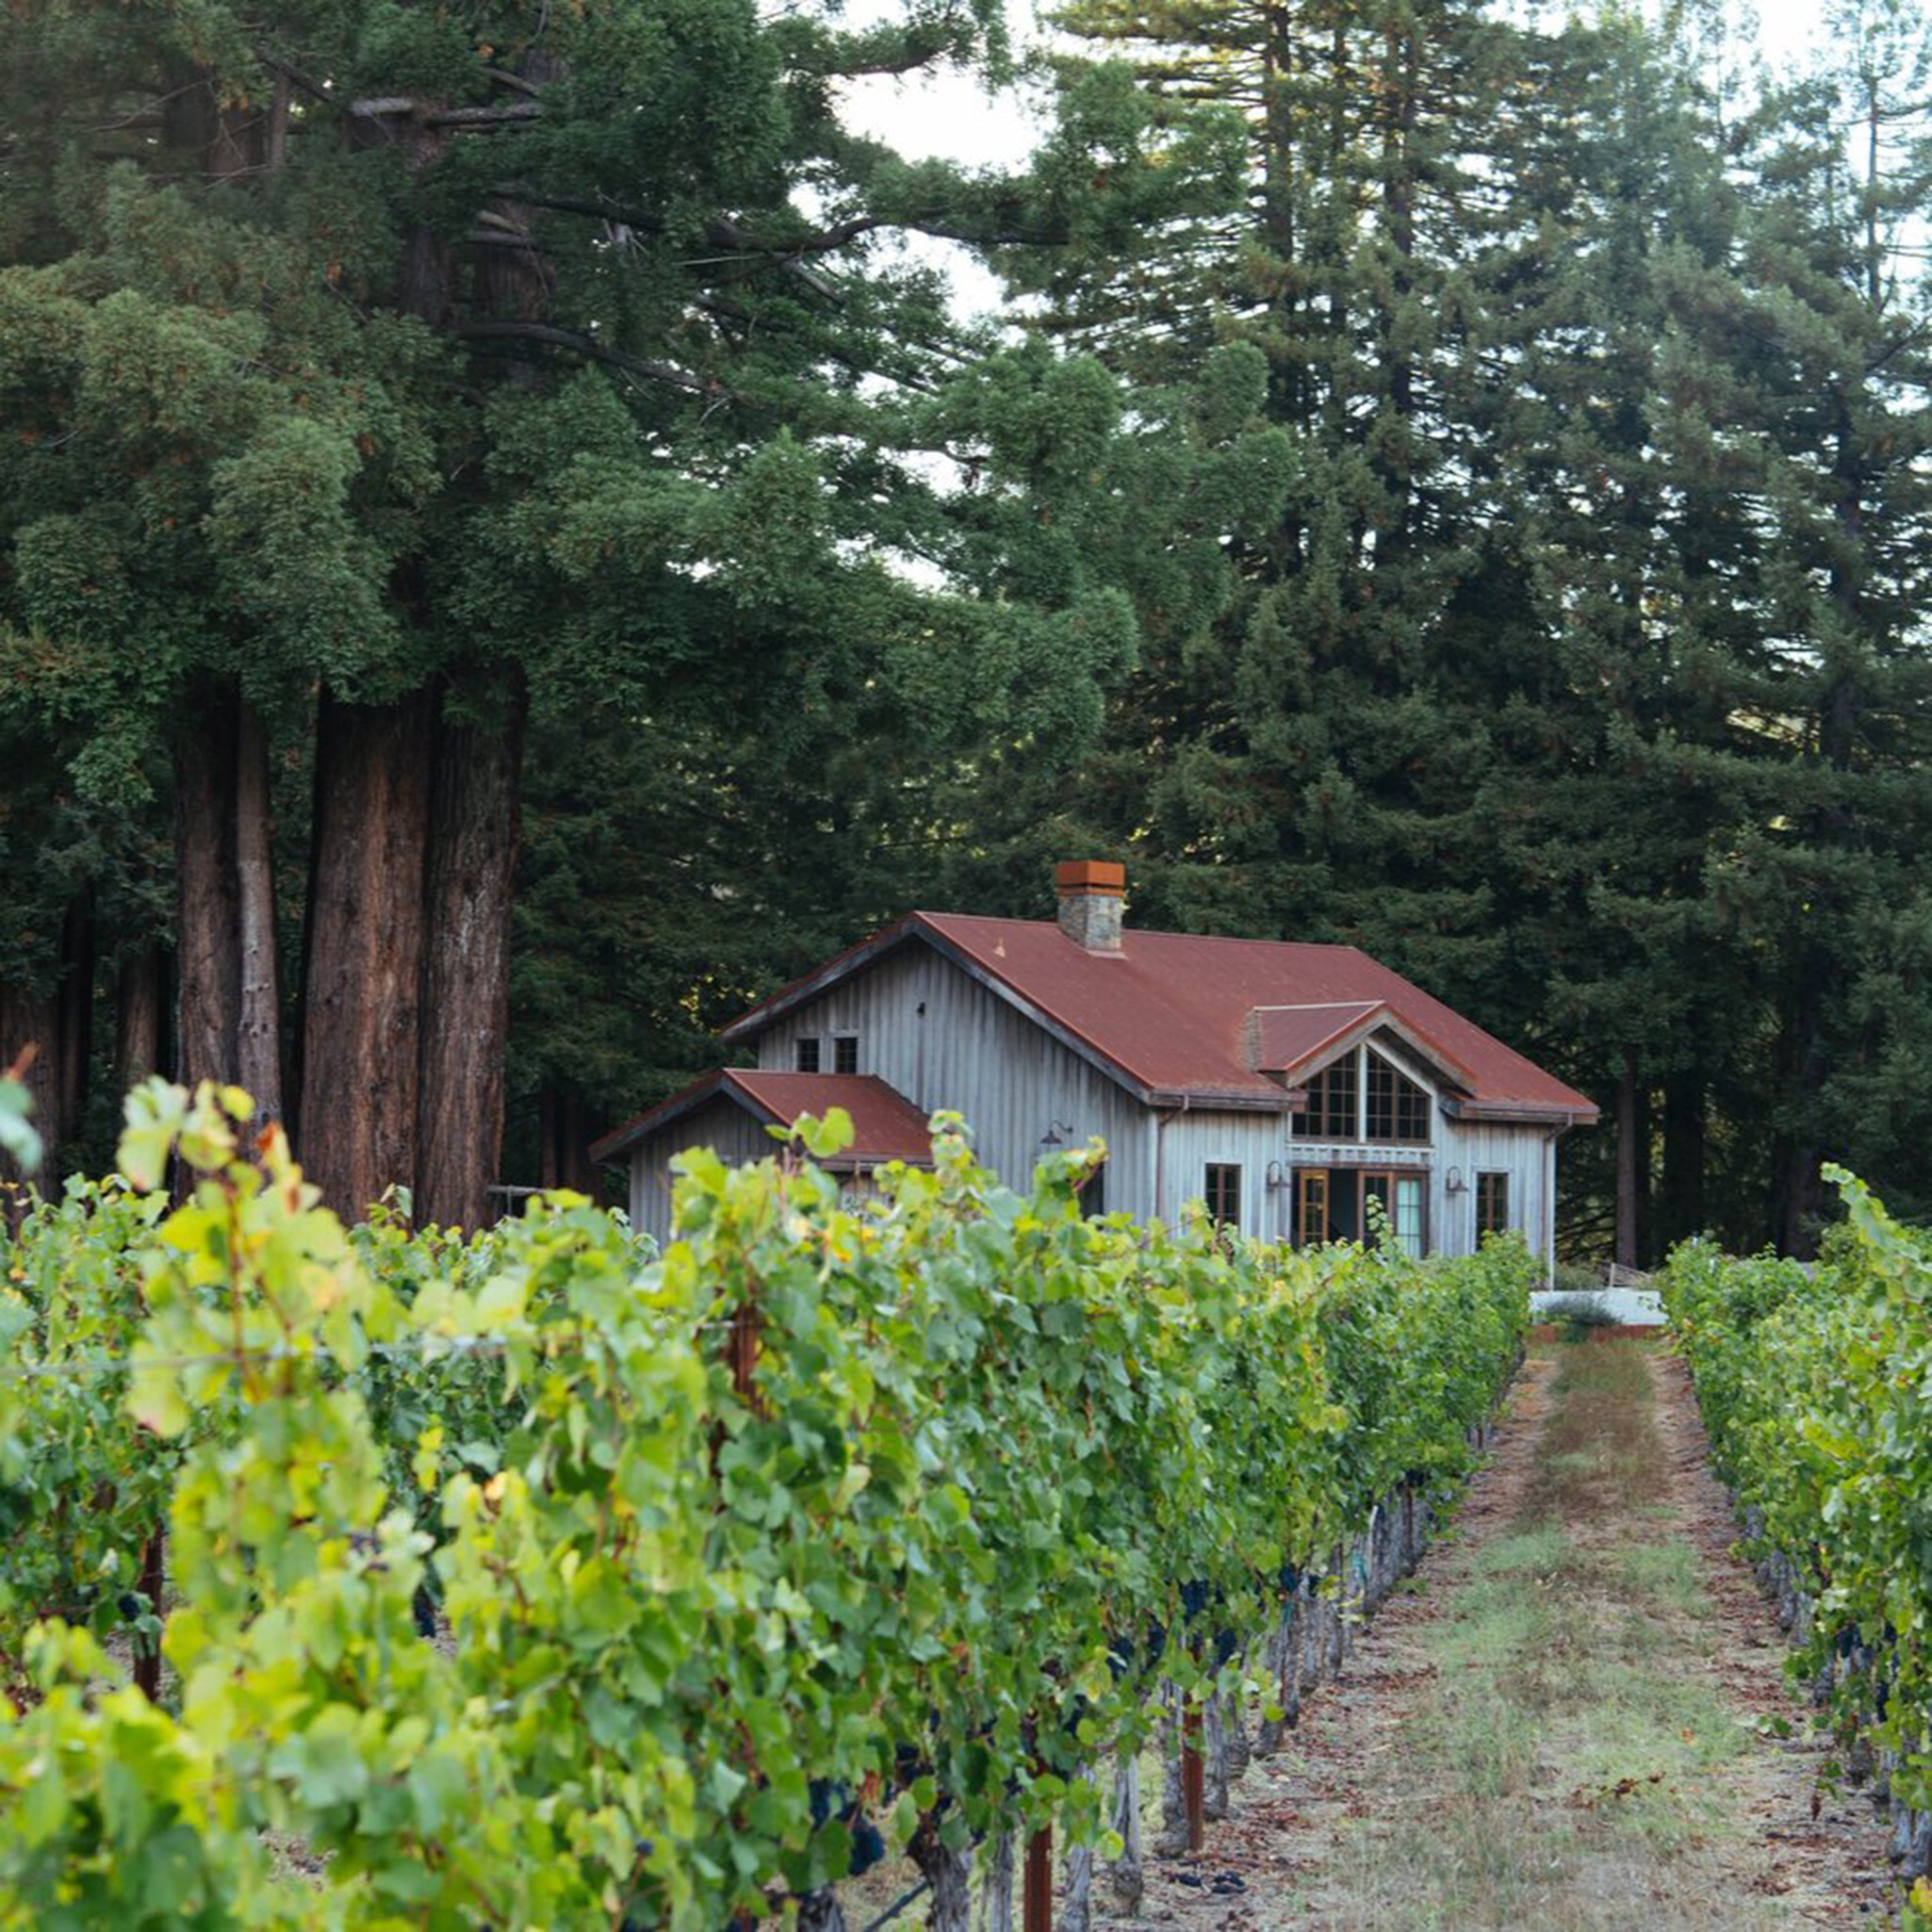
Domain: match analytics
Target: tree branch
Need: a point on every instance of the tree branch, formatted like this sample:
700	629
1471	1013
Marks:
664	372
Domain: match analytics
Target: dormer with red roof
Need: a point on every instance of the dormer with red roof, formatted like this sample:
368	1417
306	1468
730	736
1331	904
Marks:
1294	1088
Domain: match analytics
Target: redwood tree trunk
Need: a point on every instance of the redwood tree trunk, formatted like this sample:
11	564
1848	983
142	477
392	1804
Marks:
362	1003
1628	1168
141	1008
565	1129
28	1030
1683	1156
466	1014
208	908
258	1017
74	1039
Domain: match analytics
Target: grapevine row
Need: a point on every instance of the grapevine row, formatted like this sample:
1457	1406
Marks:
531	1580
1815	1386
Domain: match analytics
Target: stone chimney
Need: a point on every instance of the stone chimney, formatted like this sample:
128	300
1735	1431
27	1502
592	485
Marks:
1091	892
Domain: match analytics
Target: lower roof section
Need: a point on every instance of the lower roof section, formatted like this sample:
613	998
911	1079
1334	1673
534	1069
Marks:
886	1125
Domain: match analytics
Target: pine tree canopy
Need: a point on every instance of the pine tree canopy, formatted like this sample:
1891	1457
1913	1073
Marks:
509	547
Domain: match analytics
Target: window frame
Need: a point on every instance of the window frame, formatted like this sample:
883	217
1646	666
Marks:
1312	1185
807	1054
1221	1179
1490	1182
1308	1124
1404	1094
844	1053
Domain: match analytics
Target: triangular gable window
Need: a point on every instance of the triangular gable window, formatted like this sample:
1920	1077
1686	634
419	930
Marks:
1330	1113
1398	1108
1363	1096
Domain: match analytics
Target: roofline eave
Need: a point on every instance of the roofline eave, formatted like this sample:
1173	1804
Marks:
667	1112
1521	1113
915	925
1222	1100
768	1011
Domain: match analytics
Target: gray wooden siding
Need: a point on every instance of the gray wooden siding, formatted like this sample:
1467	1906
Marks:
721	1124
1186	1142
1473	1147
946	1042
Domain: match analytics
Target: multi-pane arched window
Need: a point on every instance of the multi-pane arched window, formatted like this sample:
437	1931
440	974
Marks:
1364	1097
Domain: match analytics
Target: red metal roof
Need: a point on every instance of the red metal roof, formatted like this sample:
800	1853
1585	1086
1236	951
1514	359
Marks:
1175	1014
884	1124
1284	1037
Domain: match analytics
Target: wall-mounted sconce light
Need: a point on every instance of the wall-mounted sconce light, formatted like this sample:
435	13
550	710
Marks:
1276	1178
1057	1135
1454	1182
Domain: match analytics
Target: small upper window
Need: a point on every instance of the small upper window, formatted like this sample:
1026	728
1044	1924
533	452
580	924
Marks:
846	1052
1492	1204
1223	1191
1398	1108
1330	1114
807	1054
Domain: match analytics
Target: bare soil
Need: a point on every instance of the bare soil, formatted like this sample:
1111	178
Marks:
1562	1721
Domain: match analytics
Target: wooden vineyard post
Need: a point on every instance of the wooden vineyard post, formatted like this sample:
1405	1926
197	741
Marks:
147	1658
1193	1778
742	1352
1036	1885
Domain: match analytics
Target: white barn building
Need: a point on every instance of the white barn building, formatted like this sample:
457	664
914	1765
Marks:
1287	1086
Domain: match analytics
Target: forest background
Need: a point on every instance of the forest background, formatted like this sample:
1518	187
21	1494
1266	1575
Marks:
511	548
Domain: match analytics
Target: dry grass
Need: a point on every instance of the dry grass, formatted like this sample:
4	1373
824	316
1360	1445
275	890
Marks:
1565	1769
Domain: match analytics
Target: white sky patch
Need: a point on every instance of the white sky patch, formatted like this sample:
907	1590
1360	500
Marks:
950	116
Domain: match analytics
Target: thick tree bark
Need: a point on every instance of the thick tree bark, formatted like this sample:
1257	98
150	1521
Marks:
466	1012
1683	1156
820	1911
362	998
141	1008
258	1017
29	1028
947	1872
1126	1877
230	1008
996	1885
1172	1839
1629	1168
1076	1902
73	1042
207	900
1214	1753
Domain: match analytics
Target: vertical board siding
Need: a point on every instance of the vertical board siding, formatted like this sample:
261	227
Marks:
1476	1146
720	1124
1187	1141
947	1043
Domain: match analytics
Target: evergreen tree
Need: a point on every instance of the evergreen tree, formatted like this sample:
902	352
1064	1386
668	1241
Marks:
381	374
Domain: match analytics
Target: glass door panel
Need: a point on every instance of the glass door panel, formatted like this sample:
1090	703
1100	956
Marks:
1408	1213
1376	1188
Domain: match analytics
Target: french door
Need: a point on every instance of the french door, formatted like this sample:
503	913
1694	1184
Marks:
1333	1205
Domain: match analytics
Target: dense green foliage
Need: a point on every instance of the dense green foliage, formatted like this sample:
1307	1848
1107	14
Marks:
1445	482
374	375
1585	676
934	1549
1816	1386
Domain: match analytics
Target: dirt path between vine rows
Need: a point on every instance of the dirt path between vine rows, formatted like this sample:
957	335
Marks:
1561	1722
